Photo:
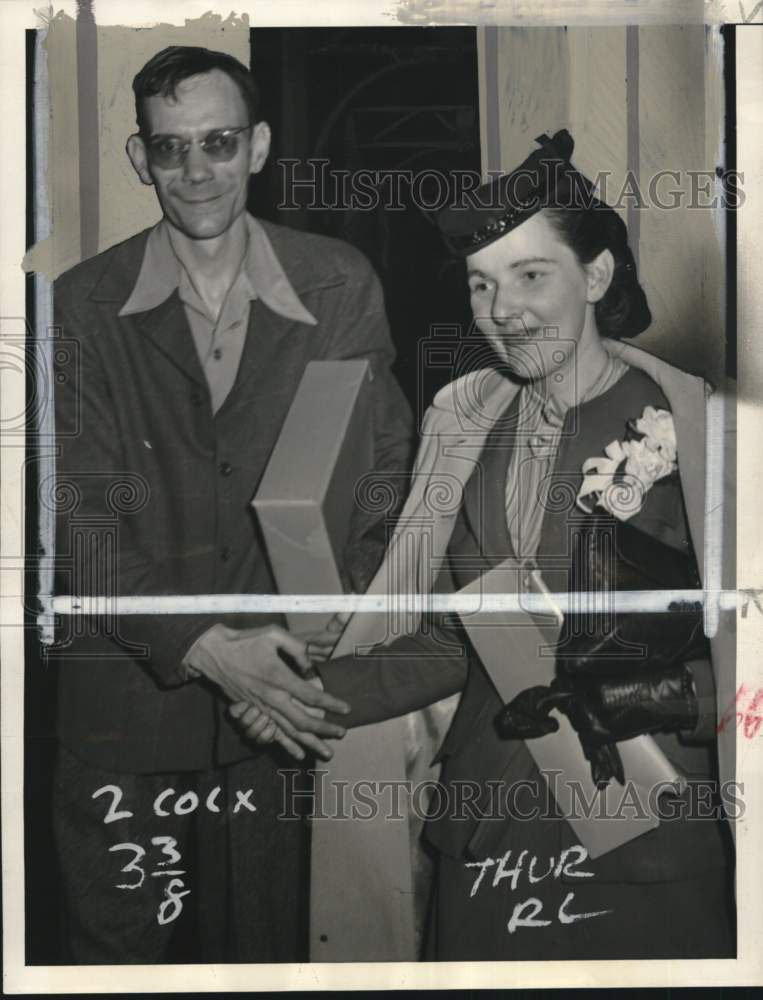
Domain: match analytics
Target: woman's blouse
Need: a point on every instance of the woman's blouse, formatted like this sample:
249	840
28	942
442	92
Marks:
540	420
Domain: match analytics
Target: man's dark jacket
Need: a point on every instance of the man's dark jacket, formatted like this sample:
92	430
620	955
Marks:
153	492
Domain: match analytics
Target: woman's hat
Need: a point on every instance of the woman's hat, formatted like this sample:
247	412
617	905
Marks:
546	179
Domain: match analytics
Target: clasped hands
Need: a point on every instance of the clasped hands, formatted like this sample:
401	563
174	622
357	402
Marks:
269	700
603	710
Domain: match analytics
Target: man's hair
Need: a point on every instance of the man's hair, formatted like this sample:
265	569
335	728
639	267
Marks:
164	71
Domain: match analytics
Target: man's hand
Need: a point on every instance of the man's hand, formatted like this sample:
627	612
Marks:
247	666
264	726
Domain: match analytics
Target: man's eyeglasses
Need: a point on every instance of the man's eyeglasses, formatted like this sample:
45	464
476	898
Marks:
170	151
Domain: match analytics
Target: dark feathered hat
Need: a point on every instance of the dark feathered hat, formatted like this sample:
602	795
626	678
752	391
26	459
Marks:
546	179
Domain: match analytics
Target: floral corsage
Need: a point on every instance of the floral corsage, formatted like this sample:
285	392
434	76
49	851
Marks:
619	481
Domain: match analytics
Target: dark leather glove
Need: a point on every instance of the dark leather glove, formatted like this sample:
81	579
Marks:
526	716
618	708
603	711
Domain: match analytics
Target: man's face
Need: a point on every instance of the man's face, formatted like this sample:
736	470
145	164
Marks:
202	197
532	299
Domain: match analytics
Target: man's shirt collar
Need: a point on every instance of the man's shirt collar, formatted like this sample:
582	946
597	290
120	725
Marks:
161	274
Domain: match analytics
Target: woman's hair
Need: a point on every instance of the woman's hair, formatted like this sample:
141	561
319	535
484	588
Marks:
623	311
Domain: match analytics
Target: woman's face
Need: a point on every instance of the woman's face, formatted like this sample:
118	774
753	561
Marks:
533	300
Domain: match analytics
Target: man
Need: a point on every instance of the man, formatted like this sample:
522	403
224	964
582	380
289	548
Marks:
192	339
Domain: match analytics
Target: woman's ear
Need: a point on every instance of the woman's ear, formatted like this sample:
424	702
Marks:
600	271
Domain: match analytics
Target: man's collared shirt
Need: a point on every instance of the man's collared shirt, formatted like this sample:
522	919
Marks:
220	343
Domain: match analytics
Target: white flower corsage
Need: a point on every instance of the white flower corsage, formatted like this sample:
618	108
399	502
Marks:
619	481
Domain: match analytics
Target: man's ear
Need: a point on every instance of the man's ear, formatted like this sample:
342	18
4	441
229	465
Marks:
260	147
136	150
600	271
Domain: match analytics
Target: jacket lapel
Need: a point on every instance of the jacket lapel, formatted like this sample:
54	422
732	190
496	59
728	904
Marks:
265	333
167	328
686	397
471	420
452	438
485	493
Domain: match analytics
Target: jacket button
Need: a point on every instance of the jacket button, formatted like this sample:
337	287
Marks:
197	397
225	553
225	468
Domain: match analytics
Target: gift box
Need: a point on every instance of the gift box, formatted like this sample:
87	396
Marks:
306	498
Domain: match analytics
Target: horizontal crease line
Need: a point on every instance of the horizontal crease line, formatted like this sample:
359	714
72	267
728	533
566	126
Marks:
616	601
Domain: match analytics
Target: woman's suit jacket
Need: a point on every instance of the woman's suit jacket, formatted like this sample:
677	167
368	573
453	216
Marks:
474	530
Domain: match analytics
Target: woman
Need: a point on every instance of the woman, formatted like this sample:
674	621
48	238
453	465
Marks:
553	289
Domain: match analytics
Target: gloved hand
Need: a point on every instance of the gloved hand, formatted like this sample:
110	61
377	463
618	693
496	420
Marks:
607	709
604	711
611	695
526	716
